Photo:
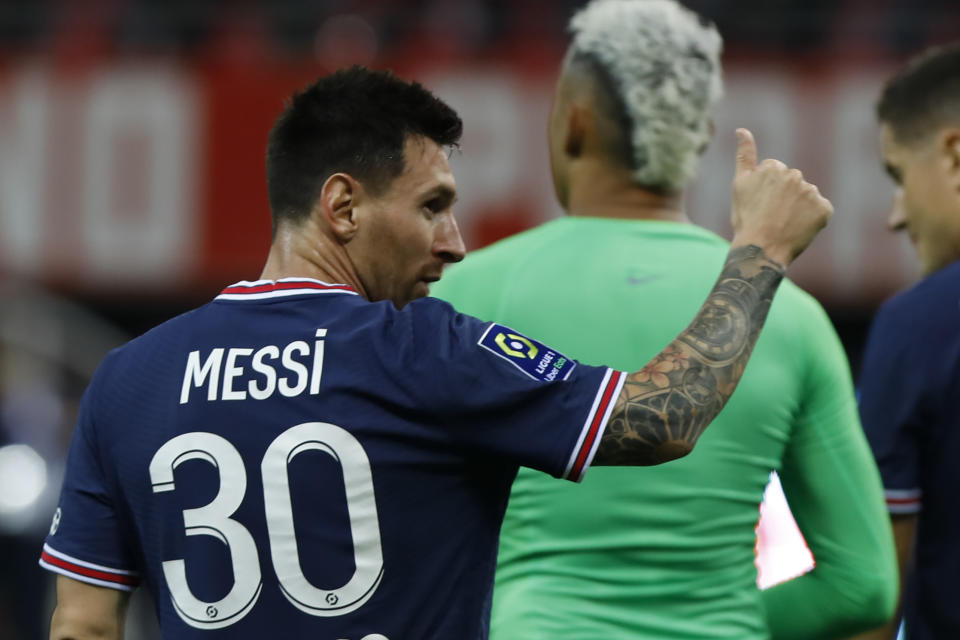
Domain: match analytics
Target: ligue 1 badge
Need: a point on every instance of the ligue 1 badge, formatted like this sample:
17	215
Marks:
535	359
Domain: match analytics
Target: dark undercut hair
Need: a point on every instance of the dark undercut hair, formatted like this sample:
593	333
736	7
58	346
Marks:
616	126
923	96
355	121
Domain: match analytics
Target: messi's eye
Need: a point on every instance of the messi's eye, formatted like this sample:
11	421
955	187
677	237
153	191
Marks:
438	201
434	205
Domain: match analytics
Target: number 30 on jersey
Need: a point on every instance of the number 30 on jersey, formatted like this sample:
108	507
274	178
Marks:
214	519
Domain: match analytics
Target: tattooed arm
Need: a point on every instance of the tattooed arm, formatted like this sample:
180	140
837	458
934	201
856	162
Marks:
664	407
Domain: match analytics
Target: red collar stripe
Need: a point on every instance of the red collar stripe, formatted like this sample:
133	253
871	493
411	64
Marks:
282	286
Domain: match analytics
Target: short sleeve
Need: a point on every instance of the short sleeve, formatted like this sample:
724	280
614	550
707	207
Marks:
890	410
498	393
86	541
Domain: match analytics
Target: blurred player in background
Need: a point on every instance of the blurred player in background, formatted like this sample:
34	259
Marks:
333	460
669	552
910	383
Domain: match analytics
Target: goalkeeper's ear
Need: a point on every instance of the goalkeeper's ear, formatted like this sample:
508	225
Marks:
579	123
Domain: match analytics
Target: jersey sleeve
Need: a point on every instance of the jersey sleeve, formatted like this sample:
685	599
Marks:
834	492
86	541
891	411
494	392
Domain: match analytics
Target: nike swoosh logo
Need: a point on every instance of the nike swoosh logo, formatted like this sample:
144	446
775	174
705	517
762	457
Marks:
641	280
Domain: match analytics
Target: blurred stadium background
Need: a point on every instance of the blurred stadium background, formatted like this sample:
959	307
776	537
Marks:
132	137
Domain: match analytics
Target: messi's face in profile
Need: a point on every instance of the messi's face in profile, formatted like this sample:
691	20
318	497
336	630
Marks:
407	233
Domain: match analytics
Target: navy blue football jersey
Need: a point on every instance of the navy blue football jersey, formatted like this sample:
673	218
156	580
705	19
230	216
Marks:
909	394
291	460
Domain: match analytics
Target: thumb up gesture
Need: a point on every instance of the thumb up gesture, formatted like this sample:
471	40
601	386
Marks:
774	208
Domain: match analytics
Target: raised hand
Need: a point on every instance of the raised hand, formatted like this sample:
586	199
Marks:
774	208
664	407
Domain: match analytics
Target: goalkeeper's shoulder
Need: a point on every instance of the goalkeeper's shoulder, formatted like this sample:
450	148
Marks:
483	272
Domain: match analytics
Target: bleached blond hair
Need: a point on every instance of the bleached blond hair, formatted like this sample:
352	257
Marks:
664	64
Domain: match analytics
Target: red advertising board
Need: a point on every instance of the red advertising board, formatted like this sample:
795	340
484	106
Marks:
148	175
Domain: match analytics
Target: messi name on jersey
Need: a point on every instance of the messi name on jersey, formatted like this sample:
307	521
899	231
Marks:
535	359
238	373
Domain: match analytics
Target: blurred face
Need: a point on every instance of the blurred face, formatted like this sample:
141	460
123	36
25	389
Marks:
408	232
927	201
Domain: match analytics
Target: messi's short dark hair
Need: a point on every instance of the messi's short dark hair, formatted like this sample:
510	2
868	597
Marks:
924	95
355	121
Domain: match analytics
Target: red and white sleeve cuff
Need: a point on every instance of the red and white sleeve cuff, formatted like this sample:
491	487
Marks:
594	425
904	501
88	572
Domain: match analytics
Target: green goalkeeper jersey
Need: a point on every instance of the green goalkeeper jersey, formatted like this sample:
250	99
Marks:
668	551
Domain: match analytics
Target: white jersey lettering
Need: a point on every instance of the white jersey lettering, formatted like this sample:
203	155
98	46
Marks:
291	370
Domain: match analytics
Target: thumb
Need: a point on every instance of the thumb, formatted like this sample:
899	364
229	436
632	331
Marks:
746	151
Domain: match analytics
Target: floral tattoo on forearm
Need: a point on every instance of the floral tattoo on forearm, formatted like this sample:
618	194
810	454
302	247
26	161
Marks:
663	408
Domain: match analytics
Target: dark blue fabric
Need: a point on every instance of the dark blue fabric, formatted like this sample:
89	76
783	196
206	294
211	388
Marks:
443	422
910	407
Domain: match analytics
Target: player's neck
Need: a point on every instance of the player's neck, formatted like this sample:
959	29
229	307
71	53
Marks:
308	253
599	191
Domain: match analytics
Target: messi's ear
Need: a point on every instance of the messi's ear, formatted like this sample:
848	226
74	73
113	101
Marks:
336	205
